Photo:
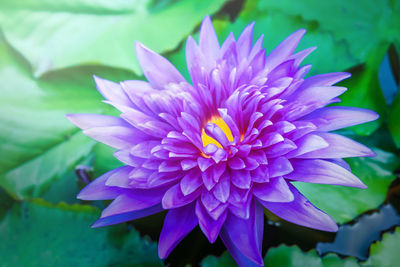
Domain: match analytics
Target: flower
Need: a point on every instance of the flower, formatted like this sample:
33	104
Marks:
217	151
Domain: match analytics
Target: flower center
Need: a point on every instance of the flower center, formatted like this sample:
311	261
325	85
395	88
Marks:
217	120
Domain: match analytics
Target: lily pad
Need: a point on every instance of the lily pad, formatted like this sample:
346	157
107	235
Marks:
37	142
80	32
40	234
286	256
386	252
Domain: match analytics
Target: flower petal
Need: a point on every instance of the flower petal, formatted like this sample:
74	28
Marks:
279	166
245	235
97	190
190	182
112	91
322	172
112	131
177	224
134	200
174	198
158	70
129	216
301	211
276	190
208	225
326	79
339	147
334	118
208	40
284	49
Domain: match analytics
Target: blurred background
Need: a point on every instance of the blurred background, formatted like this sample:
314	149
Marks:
49	51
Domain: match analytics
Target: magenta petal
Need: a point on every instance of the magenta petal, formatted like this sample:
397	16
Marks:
112	91
245	234
87	121
129	216
209	201
241	209
97	190
305	101
276	190
222	188
120	178
245	41
322	172
279	166
208	225
306	144
339	147
284	49
208	40
109	130
301	211
241	179
177	224
334	118
236	163
190	182
237	255
134	200
215	132
174	198
158	70
326	79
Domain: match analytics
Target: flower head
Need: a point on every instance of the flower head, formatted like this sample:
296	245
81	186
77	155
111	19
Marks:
216	151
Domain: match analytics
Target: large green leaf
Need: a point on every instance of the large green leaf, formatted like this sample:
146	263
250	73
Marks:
225	260
286	256
36	140
363	25
293	257
345	203
386	252
69	33
41	234
330	56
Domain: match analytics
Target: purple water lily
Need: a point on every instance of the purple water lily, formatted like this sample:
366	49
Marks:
217	151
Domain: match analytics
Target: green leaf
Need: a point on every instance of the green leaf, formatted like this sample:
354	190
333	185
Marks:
70	33
363	25
40	144
34	177
386	252
293	257
225	260
345	203
286	256
41	234
331	55
394	120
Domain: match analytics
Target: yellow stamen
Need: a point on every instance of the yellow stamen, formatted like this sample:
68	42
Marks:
217	120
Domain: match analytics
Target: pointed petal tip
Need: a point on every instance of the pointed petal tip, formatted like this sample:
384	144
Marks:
299	33
206	19
363	186
332	228
162	253
71	117
97	224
